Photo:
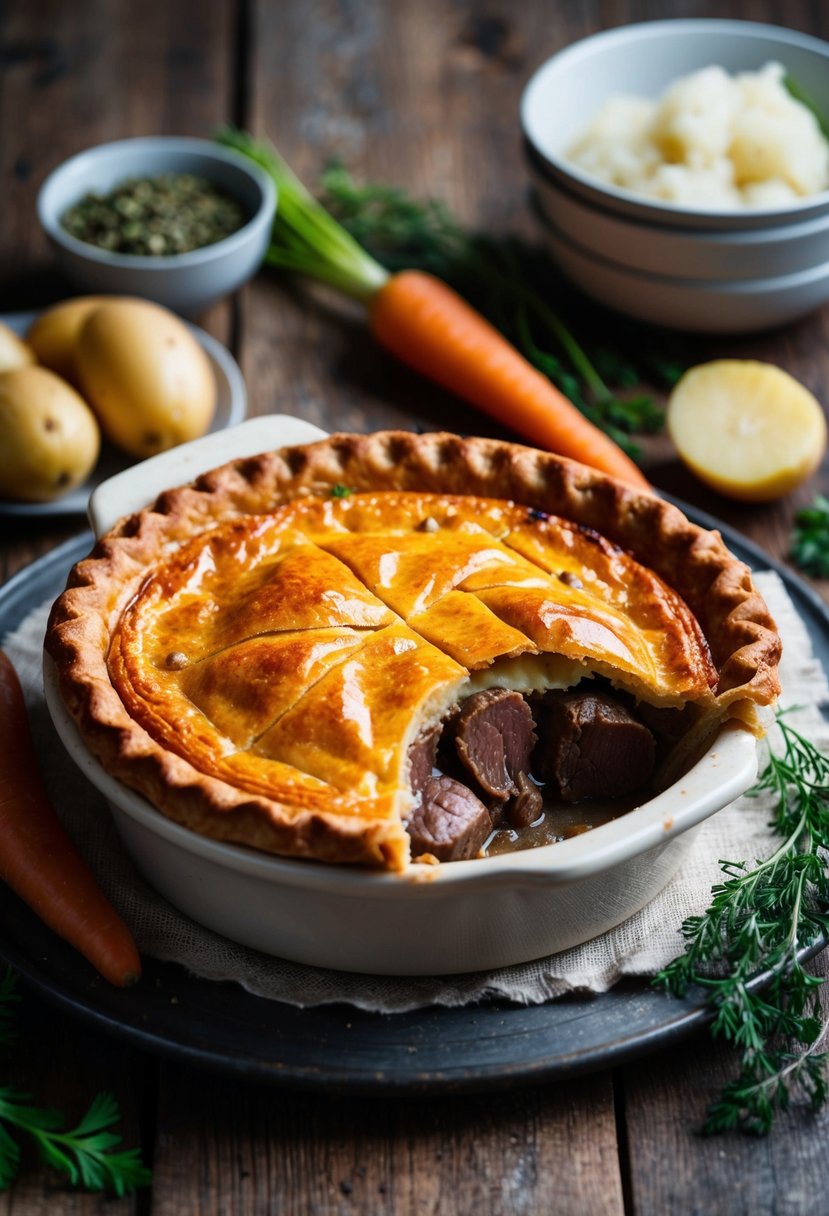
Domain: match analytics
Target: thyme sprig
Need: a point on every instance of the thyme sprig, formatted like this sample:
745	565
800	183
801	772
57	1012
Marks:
761	919
87	1154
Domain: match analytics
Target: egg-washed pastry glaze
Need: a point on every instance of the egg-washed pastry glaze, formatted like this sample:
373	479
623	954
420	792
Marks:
258	652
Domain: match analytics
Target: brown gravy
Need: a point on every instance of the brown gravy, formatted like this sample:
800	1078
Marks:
560	821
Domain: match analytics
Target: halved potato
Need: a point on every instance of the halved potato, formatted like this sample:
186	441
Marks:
747	429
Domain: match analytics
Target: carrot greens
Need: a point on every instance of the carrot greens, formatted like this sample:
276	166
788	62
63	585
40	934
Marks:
305	238
87	1154
509	281
364	235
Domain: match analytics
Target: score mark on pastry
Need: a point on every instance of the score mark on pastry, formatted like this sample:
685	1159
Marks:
393	674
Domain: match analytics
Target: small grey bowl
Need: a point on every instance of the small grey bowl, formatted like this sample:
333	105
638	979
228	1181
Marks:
184	282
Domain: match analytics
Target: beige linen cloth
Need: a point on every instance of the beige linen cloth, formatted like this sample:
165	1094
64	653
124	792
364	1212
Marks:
639	947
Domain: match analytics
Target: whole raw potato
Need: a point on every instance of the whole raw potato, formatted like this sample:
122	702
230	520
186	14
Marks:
53	336
49	439
145	376
13	352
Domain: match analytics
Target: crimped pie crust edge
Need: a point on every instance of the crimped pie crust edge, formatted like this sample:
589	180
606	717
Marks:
716	586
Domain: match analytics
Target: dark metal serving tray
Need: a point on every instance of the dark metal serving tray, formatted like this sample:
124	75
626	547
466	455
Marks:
337	1047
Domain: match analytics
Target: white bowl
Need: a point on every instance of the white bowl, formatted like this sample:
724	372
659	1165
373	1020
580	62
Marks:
714	306
567	90
701	254
709	271
184	282
460	916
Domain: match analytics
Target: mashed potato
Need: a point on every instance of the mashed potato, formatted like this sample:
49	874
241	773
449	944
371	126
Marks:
712	141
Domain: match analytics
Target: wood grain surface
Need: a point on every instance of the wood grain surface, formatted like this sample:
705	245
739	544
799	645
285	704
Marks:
423	95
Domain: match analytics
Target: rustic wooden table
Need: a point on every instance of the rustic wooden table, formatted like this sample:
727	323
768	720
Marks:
423	95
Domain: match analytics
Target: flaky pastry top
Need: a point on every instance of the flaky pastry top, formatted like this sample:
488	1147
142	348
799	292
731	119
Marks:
258	651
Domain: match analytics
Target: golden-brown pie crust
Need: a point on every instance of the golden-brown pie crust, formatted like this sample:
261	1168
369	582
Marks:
210	735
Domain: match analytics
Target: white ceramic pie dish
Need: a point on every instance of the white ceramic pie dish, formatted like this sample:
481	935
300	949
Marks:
456	917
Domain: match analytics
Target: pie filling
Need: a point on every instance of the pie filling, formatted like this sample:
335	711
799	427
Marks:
505	770
422	669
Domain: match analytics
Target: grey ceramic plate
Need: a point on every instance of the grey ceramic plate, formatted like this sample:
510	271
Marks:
336	1047
231	406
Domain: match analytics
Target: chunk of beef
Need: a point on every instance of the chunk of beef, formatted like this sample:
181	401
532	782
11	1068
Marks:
592	747
527	804
450	822
494	737
666	725
422	755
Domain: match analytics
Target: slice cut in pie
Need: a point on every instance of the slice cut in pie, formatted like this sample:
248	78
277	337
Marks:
378	647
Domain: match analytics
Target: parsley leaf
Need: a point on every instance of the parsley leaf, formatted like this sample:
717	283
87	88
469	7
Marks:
86	1152
810	538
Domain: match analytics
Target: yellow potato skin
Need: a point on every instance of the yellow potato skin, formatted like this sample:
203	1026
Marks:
53	336
49	439
13	352
145	376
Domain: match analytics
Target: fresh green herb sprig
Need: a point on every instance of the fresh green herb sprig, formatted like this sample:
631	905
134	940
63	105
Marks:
510	282
761	919
86	1154
810	538
305	238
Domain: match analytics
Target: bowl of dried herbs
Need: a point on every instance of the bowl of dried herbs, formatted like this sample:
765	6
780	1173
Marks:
180	221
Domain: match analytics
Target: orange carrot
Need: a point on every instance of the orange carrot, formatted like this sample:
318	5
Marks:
430	327
427	325
39	861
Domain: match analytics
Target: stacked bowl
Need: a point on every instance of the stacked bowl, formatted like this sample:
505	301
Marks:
717	271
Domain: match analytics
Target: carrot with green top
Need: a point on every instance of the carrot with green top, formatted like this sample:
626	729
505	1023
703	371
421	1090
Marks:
427	325
38	859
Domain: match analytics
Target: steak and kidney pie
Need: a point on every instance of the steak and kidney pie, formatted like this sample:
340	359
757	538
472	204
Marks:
380	647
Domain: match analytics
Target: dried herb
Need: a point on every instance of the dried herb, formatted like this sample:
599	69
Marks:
155	216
